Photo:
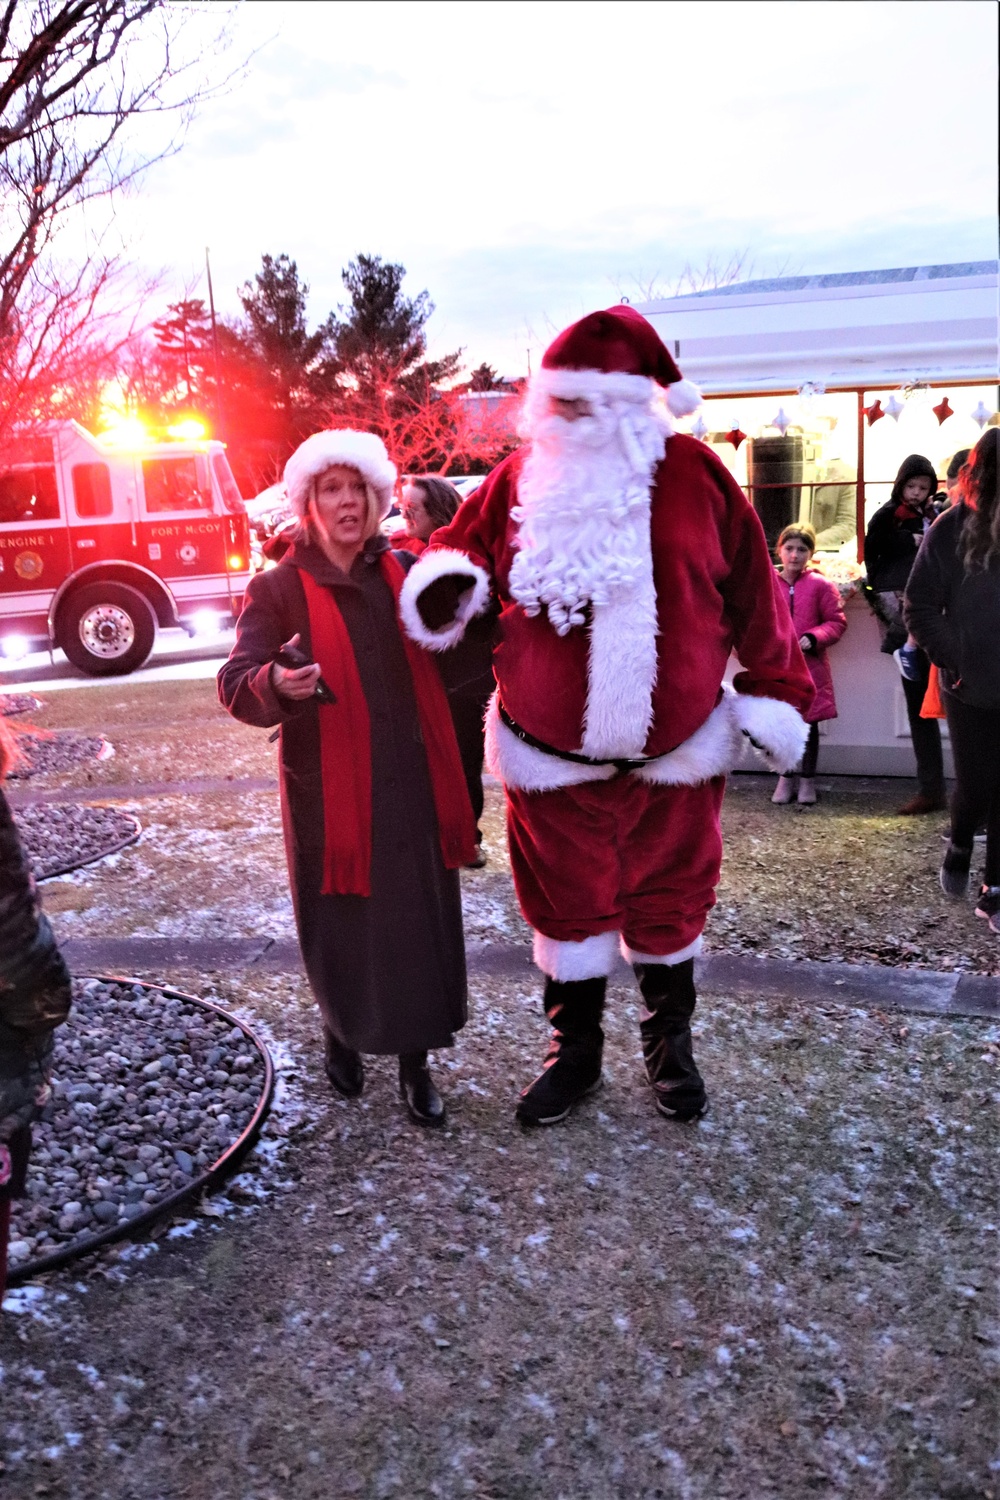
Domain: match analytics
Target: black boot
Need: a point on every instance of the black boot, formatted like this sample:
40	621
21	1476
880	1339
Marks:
343	1065
416	1089
665	1027
573	1063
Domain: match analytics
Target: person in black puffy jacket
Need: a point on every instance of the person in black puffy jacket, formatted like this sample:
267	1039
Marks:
952	608
34	999
892	540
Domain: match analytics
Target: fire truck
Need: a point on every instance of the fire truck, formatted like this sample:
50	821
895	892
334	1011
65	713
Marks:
100	543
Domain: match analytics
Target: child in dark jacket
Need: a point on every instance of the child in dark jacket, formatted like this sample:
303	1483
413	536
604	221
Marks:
893	538
819	617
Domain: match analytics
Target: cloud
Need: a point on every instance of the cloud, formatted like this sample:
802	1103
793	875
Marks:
525	169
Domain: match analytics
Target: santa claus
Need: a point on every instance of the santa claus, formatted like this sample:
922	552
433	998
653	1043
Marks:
628	565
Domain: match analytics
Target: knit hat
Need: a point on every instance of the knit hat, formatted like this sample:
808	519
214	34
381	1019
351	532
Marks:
362	451
615	355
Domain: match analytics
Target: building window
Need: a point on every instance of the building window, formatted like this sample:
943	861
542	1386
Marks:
802	470
172	484
92	491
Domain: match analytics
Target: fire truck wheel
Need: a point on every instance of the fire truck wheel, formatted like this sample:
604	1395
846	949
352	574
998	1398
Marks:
106	629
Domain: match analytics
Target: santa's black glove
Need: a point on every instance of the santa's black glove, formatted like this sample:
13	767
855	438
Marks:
441	600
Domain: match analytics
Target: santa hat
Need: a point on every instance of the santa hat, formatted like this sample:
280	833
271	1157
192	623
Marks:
614	355
362	451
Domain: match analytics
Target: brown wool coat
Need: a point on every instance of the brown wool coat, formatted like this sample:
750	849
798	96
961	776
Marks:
387	970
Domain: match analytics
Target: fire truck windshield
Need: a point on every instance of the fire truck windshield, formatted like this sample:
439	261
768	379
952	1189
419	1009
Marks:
231	497
171	484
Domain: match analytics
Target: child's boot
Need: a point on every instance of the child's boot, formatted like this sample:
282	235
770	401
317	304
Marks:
807	791
785	790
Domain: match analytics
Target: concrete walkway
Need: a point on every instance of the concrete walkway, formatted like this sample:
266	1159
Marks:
868	985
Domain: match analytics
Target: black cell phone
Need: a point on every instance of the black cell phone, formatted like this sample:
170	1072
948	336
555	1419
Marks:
293	657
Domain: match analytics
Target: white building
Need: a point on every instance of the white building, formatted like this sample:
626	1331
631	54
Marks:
816	389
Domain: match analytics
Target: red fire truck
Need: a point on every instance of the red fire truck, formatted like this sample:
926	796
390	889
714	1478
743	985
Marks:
100	544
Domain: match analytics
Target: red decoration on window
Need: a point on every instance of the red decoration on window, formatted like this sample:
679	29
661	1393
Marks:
874	413
942	411
736	436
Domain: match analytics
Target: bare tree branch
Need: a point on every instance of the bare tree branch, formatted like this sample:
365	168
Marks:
75	75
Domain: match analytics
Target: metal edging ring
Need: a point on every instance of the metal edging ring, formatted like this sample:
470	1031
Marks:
81	864
216	1173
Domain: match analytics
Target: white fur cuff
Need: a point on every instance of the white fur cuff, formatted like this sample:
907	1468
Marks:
633	956
433	564
778	730
593	958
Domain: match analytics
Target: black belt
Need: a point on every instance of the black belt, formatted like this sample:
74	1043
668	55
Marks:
621	764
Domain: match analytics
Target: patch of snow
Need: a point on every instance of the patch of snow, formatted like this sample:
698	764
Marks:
25	1299
183	1231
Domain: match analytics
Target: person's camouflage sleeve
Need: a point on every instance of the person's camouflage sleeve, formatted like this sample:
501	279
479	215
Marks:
34	998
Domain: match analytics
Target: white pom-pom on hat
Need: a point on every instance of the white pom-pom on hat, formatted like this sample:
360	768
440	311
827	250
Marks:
683	397
362	451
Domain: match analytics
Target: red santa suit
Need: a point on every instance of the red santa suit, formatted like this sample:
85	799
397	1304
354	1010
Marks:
628	567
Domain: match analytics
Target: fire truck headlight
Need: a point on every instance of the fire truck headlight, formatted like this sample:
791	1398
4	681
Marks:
236	562
15	646
205	622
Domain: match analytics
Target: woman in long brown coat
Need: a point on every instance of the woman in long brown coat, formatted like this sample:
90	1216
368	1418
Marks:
375	811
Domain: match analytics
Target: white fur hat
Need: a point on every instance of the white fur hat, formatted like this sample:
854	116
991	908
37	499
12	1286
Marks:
355	450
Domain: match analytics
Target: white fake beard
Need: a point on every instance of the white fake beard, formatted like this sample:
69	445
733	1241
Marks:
584	503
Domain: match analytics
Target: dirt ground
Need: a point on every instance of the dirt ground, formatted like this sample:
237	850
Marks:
797	1296
847	880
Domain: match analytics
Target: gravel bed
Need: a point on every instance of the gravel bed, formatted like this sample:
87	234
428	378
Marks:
60	837
19	703
149	1090
42	754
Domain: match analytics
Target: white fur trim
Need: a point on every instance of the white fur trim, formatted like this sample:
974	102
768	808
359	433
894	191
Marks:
526	769
683	397
593	958
432	564
621	664
712	750
355	450
779	730
633	956
595	385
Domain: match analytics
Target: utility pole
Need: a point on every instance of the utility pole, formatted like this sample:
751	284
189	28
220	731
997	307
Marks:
219	425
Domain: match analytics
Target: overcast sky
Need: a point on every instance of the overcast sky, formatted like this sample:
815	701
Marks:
529	161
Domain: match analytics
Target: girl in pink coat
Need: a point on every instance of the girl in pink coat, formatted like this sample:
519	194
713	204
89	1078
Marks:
820	622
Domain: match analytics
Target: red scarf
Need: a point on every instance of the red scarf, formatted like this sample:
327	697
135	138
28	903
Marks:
345	747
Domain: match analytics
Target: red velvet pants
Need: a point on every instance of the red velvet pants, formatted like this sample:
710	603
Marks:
618	856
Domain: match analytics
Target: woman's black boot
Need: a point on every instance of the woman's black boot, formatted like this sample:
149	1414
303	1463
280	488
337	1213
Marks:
665	1027
573	1063
344	1067
416	1088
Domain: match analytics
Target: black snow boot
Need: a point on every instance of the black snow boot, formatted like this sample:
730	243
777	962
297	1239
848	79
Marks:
573	1063
423	1103
344	1067
665	1027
